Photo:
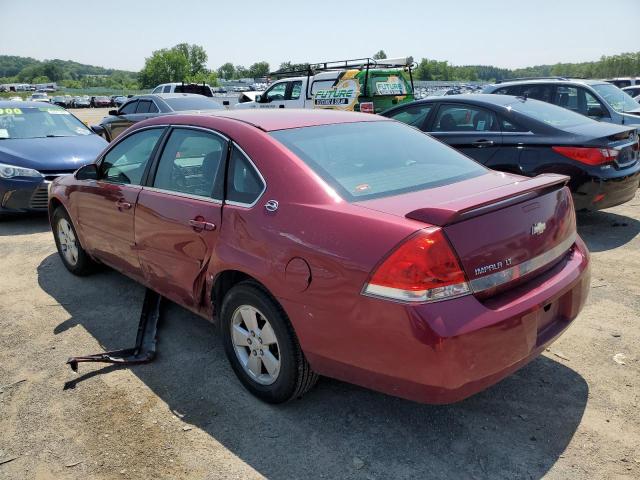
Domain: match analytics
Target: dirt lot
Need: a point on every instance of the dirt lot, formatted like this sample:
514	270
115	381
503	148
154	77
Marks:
91	116
573	413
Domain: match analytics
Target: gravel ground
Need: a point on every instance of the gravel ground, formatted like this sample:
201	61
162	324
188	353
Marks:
91	116
572	413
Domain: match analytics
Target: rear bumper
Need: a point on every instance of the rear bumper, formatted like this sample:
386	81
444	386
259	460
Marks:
446	351
23	195
599	193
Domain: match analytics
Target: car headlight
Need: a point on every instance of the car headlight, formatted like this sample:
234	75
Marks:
10	171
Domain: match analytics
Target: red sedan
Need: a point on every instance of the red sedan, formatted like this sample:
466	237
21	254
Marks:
332	243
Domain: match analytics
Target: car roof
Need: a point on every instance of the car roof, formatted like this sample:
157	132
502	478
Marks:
172	95
271	119
568	81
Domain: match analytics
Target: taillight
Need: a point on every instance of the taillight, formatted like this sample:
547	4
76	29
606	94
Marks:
421	269
589	155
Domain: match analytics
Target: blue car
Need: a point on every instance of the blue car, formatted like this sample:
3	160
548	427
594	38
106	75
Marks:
39	142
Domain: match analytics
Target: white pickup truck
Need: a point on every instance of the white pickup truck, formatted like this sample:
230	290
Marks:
364	85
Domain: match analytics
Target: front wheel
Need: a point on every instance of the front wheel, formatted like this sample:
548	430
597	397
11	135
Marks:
261	345
73	256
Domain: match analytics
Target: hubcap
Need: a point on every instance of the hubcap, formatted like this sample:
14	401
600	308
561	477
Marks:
67	241
255	344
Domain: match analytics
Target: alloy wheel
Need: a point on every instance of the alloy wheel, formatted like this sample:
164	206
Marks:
255	344
67	241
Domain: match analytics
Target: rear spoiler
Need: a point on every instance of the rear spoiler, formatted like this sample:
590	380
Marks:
457	210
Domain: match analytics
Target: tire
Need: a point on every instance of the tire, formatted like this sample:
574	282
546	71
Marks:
294	376
73	256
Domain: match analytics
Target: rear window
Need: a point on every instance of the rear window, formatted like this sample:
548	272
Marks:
192	103
545	112
368	160
387	85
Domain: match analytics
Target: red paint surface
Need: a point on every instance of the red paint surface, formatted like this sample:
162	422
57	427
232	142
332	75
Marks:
437	352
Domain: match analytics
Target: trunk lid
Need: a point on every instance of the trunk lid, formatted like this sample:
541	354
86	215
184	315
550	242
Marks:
502	227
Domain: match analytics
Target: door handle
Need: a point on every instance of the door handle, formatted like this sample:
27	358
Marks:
199	225
281	106
122	205
482	143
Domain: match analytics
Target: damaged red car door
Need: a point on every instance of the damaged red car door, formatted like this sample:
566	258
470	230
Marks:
178	216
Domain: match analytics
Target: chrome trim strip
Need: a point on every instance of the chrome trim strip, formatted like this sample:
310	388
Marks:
182	194
176	126
264	182
512	273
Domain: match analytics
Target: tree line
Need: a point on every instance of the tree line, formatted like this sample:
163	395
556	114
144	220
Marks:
625	64
185	62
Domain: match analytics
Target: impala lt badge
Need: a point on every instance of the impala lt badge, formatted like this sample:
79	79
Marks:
538	228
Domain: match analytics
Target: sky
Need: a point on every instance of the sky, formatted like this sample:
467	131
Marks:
121	34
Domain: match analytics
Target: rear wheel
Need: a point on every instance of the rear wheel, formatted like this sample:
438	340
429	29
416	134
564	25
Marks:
73	256
261	345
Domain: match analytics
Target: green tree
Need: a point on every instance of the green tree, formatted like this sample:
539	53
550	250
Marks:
195	55
379	55
227	71
241	72
41	79
259	69
176	64
53	71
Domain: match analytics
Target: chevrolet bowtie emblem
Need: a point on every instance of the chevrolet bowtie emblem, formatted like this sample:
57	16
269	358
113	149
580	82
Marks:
538	228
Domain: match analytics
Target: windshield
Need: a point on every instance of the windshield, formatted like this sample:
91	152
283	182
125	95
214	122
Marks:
192	103
547	113
367	160
615	97
39	123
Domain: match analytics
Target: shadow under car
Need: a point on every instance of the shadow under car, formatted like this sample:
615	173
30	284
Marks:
516	429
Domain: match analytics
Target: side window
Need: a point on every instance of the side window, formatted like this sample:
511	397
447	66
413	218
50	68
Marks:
129	108
296	89
594	107
167	89
538	92
464	118
143	106
567	97
512	90
153	108
414	116
125	163
244	184
190	163
277	92
510	126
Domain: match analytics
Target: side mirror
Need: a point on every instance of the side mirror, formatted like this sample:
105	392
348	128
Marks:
596	112
88	172
258	98
99	129
113	112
